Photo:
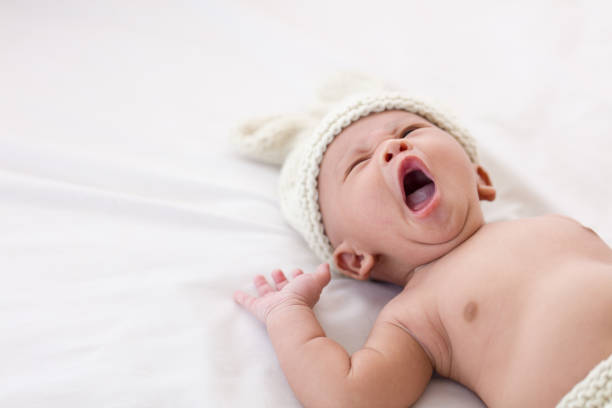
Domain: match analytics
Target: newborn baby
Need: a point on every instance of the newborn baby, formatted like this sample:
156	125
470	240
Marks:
518	311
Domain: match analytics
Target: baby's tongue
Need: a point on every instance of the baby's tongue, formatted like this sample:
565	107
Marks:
419	198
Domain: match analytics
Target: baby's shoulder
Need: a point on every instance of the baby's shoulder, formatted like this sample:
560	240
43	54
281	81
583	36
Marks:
523	228
555	217
412	308
557	225
417	314
407	299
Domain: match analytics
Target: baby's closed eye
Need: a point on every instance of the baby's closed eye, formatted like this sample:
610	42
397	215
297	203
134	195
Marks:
357	162
409	130
412	127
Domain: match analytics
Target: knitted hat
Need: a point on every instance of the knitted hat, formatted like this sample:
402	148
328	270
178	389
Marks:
299	141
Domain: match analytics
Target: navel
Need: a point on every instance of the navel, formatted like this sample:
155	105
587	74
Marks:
470	311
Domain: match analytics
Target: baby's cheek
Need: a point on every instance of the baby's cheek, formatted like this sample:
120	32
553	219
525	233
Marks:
456	161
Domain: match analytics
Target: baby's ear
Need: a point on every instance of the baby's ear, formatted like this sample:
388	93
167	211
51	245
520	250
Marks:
486	191
353	263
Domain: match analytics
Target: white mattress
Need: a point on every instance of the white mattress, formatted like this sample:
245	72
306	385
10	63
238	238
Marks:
126	222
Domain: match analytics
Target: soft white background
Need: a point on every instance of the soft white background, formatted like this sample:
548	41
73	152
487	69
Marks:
126	221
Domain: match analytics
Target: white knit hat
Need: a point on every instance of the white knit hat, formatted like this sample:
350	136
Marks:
299	141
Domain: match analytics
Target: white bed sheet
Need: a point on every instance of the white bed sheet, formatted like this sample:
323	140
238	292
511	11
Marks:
126	221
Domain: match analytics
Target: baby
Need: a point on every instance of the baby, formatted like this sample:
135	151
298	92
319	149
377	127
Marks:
388	188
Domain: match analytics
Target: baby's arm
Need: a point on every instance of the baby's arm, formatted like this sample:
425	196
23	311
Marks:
390	370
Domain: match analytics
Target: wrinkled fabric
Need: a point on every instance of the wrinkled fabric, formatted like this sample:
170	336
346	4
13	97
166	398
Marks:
126	221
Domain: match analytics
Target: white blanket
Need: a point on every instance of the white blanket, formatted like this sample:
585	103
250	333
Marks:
126	221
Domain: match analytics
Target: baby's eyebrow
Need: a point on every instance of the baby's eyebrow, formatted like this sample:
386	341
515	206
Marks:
392	126
357	151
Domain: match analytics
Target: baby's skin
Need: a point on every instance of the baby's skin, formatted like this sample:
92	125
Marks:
517	311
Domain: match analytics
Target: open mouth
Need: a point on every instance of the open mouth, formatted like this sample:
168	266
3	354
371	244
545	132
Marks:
419	189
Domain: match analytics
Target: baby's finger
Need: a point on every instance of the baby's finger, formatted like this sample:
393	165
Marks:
262	285
244	299
322	274
296	273
280	280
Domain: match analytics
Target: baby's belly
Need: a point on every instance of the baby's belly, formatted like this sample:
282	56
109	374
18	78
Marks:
553	331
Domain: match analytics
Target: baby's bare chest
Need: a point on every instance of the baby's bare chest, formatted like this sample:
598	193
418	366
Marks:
525	301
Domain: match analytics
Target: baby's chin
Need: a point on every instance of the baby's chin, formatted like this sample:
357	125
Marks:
444	233
450	226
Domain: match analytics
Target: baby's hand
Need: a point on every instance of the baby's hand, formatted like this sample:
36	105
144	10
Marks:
302	290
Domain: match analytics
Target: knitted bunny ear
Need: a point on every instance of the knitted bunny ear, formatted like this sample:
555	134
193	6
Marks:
341	85
269	139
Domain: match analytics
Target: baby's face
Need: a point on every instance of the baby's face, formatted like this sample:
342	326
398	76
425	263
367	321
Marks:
397	192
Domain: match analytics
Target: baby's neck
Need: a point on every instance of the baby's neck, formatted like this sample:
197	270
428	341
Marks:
397	276
388	271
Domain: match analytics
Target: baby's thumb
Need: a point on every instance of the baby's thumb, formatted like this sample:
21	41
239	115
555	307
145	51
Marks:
322	275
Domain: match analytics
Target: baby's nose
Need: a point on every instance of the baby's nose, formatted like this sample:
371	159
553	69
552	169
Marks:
394	147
